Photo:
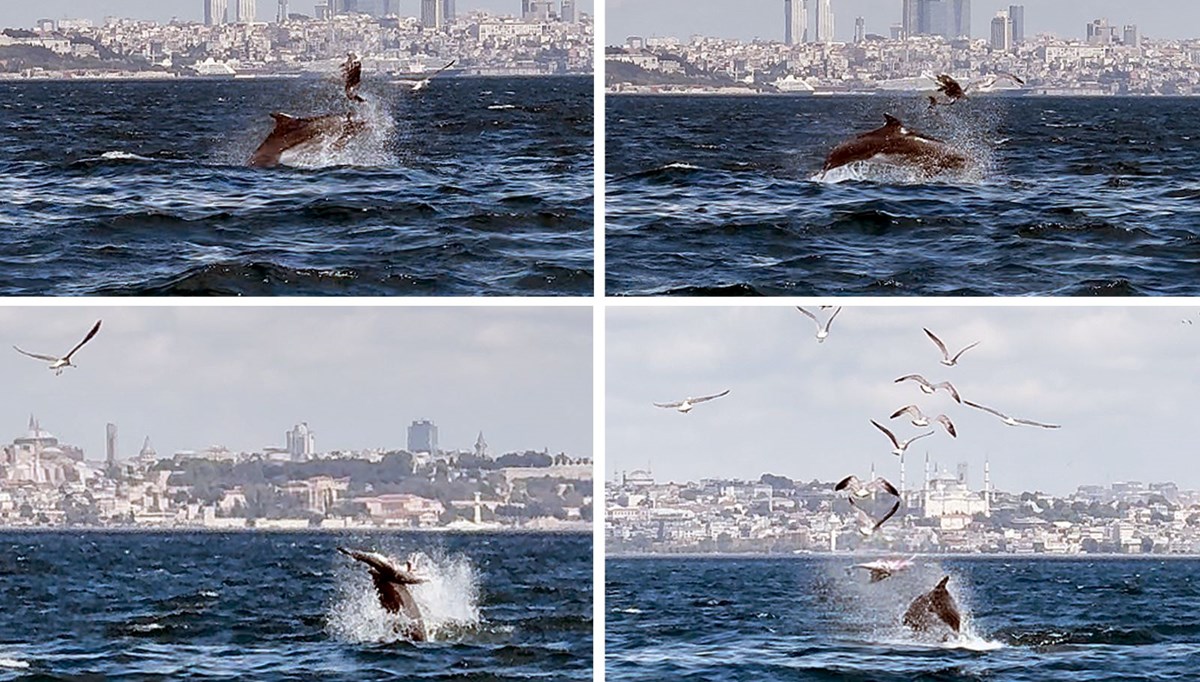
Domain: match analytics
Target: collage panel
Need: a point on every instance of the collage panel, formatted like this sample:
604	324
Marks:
263	148
901	148
271	493
900	493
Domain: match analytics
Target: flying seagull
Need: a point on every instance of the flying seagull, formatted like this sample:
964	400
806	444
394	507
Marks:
928	388
882	569
918	418
1011	421
900	445
352	73
56	363
955	91
687	404
822	331
946	359
856	489
424	82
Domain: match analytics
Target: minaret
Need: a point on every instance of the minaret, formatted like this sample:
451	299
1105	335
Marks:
987	486
925	490
478	510
872	479
903	501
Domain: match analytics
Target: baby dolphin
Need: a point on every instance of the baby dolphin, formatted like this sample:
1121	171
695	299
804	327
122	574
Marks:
934	603
391	582
895	144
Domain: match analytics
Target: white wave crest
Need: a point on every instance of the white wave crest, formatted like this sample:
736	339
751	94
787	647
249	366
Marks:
13	663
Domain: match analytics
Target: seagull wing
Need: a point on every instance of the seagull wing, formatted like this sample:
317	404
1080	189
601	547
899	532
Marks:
810	316
959	355
90	335
938	342
452	62
669	405
1030	422
850	482
913	377
945	421
892	512
916	438
886	486
985	409
907	409
47	358
949	388
704	399
829	322
891	436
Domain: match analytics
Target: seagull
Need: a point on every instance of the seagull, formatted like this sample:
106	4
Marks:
424	83
954	91
59	364
1012	421
919	418
352	73
883	569
901	445
822	331
687	404
855	489
946	359
928	388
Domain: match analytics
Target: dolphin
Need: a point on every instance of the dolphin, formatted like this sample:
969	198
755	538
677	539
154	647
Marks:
391	582
934	603
893	143
291	132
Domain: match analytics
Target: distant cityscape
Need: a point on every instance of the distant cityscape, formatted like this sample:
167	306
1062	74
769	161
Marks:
45	483
545	38
945	514
932	37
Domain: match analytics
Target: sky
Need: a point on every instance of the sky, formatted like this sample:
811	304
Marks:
25	14
191	377
748	19
1121	382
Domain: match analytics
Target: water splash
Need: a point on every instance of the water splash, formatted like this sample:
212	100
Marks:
449	601
374	146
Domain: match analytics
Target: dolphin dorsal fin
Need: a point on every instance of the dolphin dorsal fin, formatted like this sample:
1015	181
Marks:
942	584
892	121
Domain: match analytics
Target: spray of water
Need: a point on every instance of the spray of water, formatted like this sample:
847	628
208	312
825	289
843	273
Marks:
449	601
373	146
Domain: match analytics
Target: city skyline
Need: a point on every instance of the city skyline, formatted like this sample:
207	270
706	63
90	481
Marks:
24	16
800	409
242	377
765	19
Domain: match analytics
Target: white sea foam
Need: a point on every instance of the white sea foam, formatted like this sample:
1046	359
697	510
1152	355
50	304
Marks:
13	663
449	601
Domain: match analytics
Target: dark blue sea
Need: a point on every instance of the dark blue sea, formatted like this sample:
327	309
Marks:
286	606
1025	619
1064	197
473	186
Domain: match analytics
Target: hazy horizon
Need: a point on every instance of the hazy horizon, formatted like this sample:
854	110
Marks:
191	377
1118	380
15	15
763	19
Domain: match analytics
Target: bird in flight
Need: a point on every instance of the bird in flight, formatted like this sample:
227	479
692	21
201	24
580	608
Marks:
1011	421
946	359
424	82
918	418
899	445
687	404
857	489
58	364
928	388
352	74
822	330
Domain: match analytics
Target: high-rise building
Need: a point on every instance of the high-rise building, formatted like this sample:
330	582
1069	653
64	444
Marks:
246	11
436	13
423	437
110	447
1100	33
282	14
931	18
1131	36
568	12
860	30
910	12
959	21
389	8
824	21
1016	14
1001	31
301	443
795	22
215	12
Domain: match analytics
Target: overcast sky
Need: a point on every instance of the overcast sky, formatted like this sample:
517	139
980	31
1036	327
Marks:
748	19
191	377
1121	381
24	14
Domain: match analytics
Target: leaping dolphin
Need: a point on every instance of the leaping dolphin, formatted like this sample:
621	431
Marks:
291	132
391	582
936	603
895	144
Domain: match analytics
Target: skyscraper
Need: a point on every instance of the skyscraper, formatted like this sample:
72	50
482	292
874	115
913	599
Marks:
1001	31
567	14
110	448
795	21
423	437
301	443
1016	14
436	13
960	19
215	12
860	30
282	15
931	17
824	21
245	11
1131	36
910	13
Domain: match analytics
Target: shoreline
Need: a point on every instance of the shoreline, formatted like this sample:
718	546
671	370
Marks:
121	530
988	556
150	77
881	94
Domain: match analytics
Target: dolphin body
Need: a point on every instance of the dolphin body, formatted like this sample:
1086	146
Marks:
391	583
895	144
291	132
934	605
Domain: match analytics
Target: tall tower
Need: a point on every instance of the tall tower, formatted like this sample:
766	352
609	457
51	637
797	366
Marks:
1016	14
910	14
432	13
301	442
825	21
795	22
481	446
860	30
246	10
215	12
960	19
282	15
987	487
1002	31
423	437
110	448
567	14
